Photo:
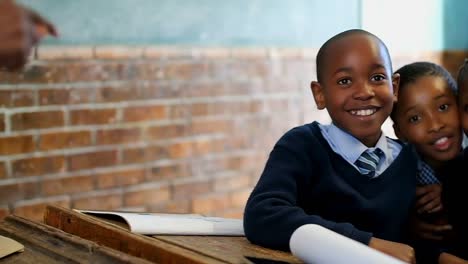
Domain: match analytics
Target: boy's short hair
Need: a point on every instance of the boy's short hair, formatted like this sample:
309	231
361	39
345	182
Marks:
413	71
320	59
462	75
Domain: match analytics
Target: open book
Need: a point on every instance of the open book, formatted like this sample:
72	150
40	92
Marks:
9	246
170	224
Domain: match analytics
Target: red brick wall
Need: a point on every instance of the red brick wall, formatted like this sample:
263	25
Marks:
151	129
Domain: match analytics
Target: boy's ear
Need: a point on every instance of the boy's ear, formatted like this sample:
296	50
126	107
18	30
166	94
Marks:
397	131
319	97
396	85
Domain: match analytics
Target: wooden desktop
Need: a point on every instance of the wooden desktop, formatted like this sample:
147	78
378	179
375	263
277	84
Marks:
162	248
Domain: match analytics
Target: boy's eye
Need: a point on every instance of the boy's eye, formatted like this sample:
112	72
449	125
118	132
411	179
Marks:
414	119
443	107
344	81
378	77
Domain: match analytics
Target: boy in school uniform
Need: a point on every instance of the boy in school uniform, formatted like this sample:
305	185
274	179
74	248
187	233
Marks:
456	182
426	116
346	176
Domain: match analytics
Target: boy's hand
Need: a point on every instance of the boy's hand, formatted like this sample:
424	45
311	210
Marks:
429	198
446	258
398	250
20	29
424	230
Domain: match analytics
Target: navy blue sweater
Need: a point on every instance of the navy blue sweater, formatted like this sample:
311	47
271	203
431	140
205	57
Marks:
454	198
306	182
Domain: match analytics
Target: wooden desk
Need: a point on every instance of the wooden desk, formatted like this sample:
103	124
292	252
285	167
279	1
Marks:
45	244
163	249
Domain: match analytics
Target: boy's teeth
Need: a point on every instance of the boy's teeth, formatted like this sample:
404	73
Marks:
363	112
441	141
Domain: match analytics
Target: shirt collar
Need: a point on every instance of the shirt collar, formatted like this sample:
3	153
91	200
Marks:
352	148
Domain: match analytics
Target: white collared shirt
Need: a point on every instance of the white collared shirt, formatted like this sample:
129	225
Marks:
351	149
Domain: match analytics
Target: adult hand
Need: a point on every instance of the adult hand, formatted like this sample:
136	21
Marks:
20	29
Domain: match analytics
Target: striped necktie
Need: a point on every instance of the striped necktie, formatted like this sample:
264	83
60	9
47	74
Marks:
367	162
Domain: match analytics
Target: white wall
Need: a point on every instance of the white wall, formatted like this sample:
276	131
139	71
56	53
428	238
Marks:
405	25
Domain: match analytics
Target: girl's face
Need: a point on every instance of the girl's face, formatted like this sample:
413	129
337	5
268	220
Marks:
427	117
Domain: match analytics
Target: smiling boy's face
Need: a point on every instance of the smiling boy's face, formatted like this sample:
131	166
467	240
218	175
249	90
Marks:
357	86
427	117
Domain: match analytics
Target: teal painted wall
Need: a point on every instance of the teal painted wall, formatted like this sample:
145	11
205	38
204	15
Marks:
440	25
303	23
455	24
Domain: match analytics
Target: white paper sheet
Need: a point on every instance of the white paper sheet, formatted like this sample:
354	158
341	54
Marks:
175	224
316	244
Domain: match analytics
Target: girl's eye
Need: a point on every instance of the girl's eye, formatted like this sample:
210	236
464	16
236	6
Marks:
414	119
378	77
443	107
345	81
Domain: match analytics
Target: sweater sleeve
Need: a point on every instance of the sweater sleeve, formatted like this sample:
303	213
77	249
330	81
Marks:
272	213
